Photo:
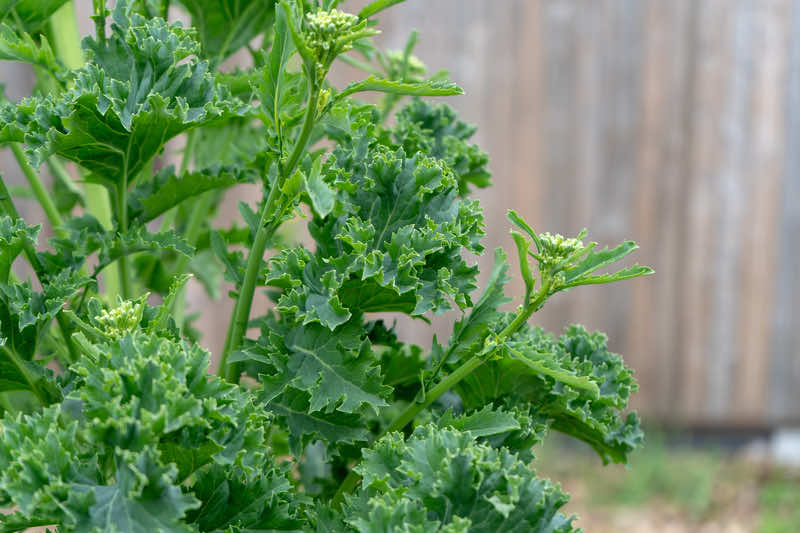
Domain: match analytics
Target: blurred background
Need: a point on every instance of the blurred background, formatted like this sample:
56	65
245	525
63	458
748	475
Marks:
675	124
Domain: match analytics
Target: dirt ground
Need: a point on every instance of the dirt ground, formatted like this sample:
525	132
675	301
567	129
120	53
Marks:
676	491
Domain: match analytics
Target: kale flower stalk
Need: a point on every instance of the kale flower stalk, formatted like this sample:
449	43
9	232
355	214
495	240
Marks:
340	424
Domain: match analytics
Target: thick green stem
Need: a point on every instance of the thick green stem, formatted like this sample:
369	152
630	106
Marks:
451	380
39	190
266	229
200	210
66	42
66	39
122	220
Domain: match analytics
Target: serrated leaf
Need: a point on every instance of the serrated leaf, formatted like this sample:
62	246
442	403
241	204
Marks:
395	245
306	425
335	367
137	240
161	320
166	190
321	195
32	13
592	413
470	332
22	48
32	308
456	481
437	131
224	26
426	88
15	235
143	499
257	501
140	89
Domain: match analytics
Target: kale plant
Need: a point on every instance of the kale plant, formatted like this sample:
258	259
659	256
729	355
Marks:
320	418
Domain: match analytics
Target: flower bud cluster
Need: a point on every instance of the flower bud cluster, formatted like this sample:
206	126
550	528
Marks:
325	28
555	249
122	319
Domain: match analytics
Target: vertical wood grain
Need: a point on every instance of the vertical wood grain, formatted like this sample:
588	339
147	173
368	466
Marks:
759	236
783	389
676	124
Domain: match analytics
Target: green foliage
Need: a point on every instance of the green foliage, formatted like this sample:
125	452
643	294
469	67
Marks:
110	420
458	483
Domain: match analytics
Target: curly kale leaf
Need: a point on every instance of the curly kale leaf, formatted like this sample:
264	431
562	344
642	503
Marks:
292	408
142	417
393	241
22	47
573	381
15	235
53	476
460	484
434	129
320	381
237	500
33	308
141	88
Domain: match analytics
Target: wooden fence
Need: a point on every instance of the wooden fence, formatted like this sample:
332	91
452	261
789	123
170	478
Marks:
676	124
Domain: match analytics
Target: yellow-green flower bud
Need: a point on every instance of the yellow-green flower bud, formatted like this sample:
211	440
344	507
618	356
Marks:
122	319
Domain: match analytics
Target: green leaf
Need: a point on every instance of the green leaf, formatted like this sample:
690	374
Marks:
546	364
470	332
18	374
426	88
224	26
272	84
574	381
456	481
482	423
321	195
15	235
137	240
144	499
394	244
32	13
140	89
166	190
436	131
306	425
335	367
249	501
15	47
161	321
32	308
376	6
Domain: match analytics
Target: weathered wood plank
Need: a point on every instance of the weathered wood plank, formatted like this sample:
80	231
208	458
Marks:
783	389
659	210
765	174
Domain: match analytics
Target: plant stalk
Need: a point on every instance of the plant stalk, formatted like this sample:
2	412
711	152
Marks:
244	300
39	190
451	380
122	220
66	42
200	210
